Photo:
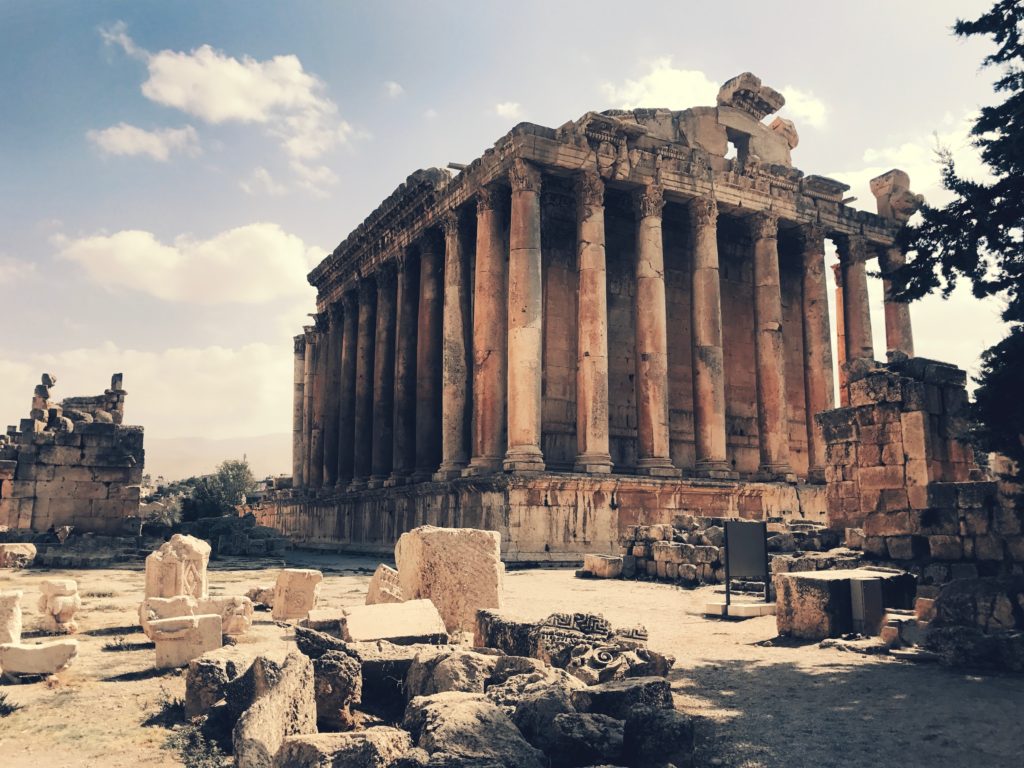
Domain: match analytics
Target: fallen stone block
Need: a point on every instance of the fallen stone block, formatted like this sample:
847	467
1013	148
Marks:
385	586
658	736
415	621
460	569
466	726
553	639
242	692
57	605
235	613
178	568
495	629
295	593
377	747
208	676
324	620
603	566
619	697
286	708
586	739
19	659
155	608
338	684
535	714
972	648
179	640
10	616
462	670
261	596
17	555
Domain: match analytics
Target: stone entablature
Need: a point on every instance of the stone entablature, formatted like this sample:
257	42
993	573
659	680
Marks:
72	464
612	296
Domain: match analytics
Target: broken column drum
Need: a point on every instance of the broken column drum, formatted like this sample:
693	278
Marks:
658	314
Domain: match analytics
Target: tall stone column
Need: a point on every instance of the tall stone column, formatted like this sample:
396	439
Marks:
899	336
490	332
332	400
308	373
316	446
772	411
428	362
347	390
708	355
404	441
298	412
592	328
383	377
454	357
525	322
818	384
363	442
856	310
650	311
844	395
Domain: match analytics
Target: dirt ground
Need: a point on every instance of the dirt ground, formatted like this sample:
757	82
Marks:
760	701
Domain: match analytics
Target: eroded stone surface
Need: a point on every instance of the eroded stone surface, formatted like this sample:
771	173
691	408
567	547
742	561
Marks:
385	586
17	555
375	747
337	678
178	568
180	639
415	621
296	592
10	616
18	659
57	605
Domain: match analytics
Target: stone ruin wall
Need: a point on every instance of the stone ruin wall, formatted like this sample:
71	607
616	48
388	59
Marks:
902	480
72	463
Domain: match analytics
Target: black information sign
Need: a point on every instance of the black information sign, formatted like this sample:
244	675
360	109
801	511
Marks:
746	554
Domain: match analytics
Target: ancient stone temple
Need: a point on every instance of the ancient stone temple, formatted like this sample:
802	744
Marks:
589	326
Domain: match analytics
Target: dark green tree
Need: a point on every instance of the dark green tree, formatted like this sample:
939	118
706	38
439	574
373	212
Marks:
978	236
218	494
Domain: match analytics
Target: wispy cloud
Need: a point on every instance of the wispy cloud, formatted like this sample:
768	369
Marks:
508	109
260	182
129	140
805	107
663	85
393	89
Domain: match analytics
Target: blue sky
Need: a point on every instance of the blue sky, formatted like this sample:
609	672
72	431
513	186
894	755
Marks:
169	171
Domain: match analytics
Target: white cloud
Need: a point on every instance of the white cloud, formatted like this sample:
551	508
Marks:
213	392
260	182
276	93
393	89
663	86
804	107
509	109
13	270
251	264
315	178
130	140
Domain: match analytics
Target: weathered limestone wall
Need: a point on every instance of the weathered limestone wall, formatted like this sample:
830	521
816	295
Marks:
902	480
81	467
546	518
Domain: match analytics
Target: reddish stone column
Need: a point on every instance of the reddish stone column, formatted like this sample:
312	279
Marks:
298	412
404	441
856	310
316	445
347	390
308	373
454	357
708	355
363	441
332	400
383	377
525	322
653	455
899	336
772	411
592	328
844	395
490	333
428	362
818	384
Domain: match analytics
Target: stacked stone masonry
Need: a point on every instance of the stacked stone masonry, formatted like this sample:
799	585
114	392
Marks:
614	296
902	480
72	464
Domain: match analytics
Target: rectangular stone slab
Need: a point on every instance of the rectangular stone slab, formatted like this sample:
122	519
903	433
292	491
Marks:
414	621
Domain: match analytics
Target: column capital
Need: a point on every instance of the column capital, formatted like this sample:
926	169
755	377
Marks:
450	222
813	235
320	321
649	201
300	344
486	199
402	259
851	249
764	225
704	212
589	190
524	176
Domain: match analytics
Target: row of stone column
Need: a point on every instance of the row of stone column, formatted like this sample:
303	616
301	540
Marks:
418	387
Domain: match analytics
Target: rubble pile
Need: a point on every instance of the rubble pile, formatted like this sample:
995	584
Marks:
236	536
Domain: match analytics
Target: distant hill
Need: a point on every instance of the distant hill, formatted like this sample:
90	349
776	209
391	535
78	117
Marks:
180	457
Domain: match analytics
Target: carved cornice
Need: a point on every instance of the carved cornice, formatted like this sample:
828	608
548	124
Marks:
649	201
524	176
764	225
589	190
300	344
703	212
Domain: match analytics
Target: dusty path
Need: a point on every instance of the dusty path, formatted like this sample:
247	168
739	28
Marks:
760	705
